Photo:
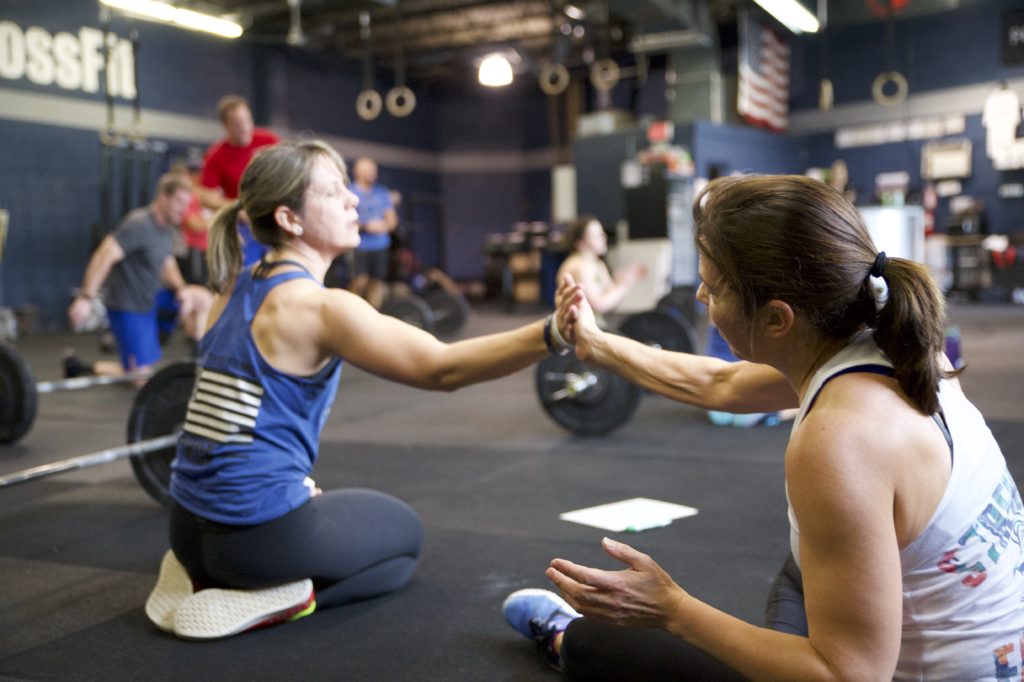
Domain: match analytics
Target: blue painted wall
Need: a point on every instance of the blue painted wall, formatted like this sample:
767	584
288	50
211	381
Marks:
49	174
469	162
935	52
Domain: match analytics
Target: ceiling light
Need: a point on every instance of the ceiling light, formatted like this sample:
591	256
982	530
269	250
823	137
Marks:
791	14
178	16
574	12
495	71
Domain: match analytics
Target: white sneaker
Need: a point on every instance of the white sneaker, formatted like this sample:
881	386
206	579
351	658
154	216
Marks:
172	588
216	612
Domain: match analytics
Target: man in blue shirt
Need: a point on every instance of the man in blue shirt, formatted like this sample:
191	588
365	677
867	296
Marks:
377	220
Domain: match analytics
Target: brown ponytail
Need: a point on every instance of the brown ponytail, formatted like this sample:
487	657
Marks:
910	330
224	253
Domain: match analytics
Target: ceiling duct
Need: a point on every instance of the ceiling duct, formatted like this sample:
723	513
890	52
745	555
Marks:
664	25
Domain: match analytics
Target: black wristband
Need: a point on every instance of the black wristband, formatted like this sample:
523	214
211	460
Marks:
549	339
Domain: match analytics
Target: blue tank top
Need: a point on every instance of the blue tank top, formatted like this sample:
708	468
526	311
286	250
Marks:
252	432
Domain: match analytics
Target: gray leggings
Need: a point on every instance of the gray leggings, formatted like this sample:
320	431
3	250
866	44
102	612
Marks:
354	543
594	651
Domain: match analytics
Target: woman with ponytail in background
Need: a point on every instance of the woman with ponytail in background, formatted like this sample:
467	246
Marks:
906	526
253	540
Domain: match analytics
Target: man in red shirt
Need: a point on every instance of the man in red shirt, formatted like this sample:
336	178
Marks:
226	160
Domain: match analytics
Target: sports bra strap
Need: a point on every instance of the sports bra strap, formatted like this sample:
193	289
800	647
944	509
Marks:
264	267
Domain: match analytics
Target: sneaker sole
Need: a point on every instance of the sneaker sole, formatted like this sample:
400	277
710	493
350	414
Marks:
217	613
172	588
537	592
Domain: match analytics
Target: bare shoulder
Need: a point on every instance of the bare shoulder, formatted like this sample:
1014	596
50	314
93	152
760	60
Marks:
572	265
858	425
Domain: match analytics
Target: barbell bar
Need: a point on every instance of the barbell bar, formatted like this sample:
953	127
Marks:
78	383
157	415
142	447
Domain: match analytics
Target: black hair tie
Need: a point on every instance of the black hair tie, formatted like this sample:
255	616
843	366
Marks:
878	269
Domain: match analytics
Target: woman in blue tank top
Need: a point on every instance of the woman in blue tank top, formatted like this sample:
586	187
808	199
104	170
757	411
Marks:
253	540
906	527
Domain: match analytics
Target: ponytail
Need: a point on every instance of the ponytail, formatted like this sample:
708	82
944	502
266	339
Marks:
910	330
224	253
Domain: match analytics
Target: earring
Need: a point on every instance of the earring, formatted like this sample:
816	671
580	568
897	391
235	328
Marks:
298	230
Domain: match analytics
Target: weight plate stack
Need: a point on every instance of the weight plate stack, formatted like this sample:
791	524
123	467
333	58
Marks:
666	329
450	310
412	310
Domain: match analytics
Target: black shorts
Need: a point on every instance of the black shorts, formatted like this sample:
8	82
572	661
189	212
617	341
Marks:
373	263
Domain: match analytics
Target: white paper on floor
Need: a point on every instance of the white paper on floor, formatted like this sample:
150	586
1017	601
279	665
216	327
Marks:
629	516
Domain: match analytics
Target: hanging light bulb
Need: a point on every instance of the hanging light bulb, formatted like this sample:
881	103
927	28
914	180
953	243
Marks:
495	71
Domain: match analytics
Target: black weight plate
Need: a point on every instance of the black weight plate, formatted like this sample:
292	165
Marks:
450	310
662	328
597	409
681	300
159	409
18	396
411	310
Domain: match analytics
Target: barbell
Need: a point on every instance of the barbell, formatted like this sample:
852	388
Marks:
157	414
435	310
589	400
19	393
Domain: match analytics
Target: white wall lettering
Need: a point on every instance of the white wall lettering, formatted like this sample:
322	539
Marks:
69	61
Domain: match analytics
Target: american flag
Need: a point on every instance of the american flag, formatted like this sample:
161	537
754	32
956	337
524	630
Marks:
763	97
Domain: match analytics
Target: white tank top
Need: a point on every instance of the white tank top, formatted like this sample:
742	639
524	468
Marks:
963	577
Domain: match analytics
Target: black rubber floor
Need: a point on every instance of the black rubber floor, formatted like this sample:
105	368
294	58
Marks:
488	472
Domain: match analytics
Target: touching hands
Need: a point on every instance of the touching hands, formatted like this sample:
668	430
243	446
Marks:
575	316
642	595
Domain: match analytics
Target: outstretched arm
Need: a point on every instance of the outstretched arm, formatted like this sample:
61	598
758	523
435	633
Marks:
705	382
398	351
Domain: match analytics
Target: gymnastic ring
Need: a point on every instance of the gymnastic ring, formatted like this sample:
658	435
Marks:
883	79
604	74
554	79
368	104
400	101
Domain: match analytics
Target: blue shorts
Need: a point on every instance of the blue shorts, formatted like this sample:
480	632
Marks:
166	310
138	340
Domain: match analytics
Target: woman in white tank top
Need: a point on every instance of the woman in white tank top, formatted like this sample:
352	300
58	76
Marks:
906	525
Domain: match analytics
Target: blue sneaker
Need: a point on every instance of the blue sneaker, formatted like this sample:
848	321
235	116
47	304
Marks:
538	615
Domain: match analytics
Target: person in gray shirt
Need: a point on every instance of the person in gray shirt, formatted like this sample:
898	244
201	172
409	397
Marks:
135	262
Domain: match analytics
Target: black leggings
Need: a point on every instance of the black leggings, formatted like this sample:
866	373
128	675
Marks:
354	544
594	651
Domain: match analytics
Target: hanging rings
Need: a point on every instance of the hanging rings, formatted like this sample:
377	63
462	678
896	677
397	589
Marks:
604	74
400	101
554	79
368	104
886	78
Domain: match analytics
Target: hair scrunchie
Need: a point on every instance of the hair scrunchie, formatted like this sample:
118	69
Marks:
876	279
